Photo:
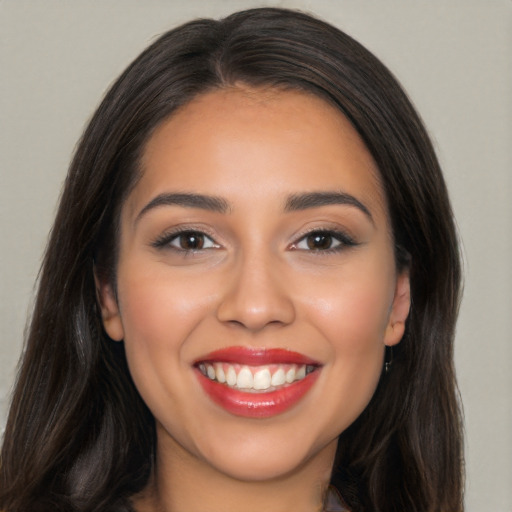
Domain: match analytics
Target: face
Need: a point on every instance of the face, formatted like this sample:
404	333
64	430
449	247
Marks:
256	282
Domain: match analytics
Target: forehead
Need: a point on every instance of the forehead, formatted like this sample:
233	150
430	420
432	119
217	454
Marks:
273	142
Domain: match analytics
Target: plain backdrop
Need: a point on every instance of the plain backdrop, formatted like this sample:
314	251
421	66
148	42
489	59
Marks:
454	58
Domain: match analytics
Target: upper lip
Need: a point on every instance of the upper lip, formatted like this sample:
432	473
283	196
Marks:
256	356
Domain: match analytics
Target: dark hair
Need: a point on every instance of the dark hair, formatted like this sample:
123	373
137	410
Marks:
79	437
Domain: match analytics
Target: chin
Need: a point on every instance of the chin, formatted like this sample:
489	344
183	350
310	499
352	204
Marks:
259	458
259	468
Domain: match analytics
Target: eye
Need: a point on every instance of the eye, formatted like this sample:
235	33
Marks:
324	240
186	241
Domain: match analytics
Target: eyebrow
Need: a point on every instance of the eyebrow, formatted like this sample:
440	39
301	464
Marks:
187	200
308	200
295	202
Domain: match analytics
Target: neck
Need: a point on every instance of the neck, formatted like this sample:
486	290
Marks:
182	482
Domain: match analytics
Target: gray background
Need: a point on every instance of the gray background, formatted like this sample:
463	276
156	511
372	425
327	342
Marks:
454	58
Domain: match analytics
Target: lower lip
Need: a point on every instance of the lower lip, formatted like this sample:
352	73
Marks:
257	405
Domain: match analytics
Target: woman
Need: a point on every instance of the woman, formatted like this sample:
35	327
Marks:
249	293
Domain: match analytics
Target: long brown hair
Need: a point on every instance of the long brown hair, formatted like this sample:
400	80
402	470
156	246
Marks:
79	437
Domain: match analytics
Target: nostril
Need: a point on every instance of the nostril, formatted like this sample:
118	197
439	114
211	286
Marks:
235	323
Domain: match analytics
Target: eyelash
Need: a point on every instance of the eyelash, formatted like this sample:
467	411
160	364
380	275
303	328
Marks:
344	241
332	235
165	240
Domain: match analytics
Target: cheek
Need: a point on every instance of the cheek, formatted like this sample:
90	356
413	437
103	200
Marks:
354	325
158	315
158	305
351	314
352	311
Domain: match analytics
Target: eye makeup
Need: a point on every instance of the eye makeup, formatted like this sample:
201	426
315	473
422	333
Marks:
325	241
185	239
317	240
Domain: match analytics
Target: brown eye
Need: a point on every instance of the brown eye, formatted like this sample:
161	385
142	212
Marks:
190	241
319	241
185	241
324	241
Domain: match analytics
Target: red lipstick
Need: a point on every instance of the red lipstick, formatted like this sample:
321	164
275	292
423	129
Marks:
259	404
257	356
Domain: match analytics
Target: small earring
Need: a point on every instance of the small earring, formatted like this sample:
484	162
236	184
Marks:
388	359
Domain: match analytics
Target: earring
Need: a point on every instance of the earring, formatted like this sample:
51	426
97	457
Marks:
388	361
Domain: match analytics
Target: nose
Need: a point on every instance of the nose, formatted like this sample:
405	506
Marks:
256	296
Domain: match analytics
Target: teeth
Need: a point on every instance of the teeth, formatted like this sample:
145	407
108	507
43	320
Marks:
279	378
219	373
290	375
231	376
244	379
260	378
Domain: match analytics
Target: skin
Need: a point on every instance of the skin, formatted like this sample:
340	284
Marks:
255	283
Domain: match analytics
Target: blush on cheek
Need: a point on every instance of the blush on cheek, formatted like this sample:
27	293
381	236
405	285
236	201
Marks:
360	319
158	316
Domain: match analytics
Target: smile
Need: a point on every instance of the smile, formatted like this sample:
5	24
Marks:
255	378
256	383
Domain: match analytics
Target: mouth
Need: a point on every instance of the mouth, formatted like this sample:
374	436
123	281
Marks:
256	383
255	379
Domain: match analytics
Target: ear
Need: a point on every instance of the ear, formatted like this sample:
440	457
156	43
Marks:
399	310
110	314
